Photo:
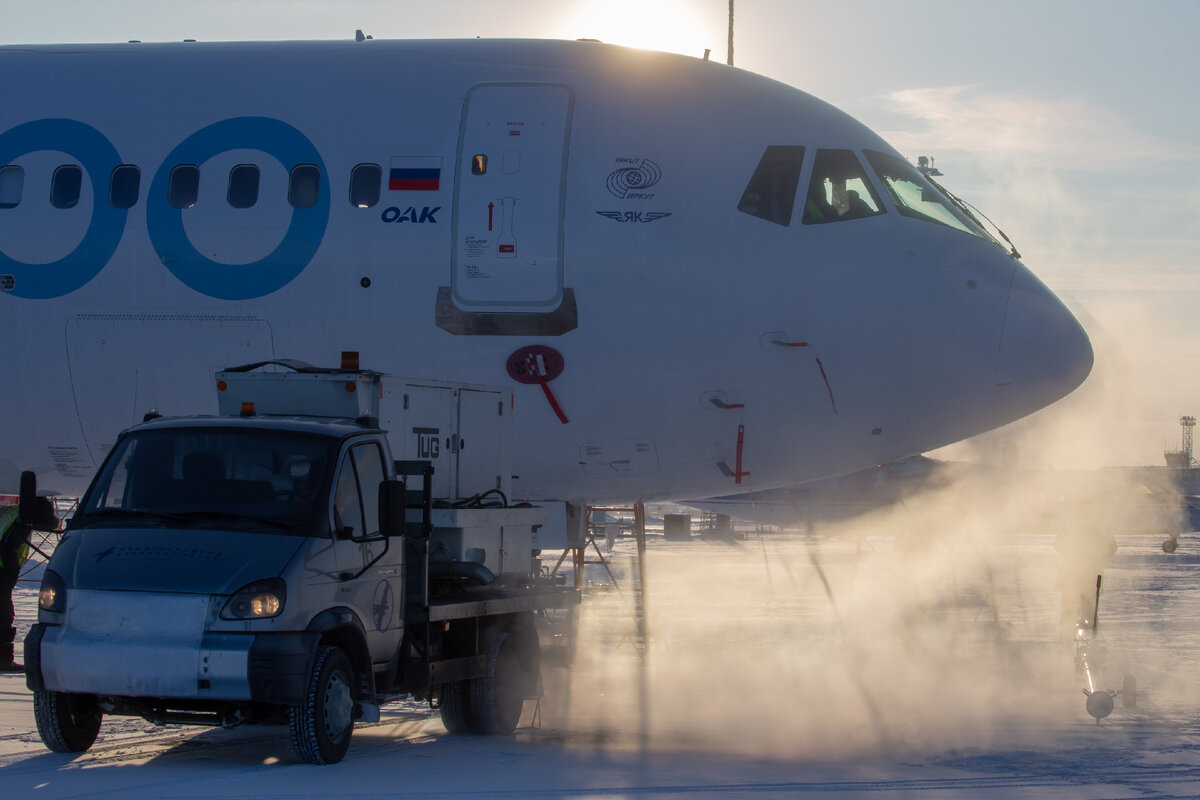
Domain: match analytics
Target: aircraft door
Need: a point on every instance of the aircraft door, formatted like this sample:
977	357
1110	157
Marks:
122	365
507	253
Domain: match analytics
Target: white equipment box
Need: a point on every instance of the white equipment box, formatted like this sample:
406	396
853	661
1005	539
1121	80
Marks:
499	538
464	430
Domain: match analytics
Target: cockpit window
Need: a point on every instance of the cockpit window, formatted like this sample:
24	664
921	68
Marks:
771	192
916	197
839	189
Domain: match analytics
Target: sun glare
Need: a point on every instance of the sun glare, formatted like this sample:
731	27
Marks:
676	26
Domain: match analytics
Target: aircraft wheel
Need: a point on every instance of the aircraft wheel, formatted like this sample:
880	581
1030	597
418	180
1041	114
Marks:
67	723
1099	704
1129	692
454	700
321	725
511	673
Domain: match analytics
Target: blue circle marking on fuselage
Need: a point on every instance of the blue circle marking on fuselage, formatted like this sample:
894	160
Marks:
271	272
99	158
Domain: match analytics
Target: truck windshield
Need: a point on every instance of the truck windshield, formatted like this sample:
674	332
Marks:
188	477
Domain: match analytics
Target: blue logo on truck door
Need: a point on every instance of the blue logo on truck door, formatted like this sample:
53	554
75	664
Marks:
381	606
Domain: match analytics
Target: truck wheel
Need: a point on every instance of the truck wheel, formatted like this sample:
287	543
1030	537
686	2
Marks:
499	695
67	723
454	699
322	724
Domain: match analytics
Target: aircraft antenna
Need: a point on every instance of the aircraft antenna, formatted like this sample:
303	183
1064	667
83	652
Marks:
729	49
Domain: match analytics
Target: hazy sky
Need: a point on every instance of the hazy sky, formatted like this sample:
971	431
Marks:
1074	125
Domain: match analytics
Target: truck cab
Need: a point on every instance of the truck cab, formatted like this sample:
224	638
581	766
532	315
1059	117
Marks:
278	567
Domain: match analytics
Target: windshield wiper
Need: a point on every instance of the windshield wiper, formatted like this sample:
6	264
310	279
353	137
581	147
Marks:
137	513
193	517
967	208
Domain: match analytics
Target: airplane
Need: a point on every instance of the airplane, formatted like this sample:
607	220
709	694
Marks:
696	280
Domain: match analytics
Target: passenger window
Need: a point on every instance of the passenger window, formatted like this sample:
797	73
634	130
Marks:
914	195
243	186
304	188
65	186
839	189
771	192
12	181
124	186
368	463
347	505
184	187
365	182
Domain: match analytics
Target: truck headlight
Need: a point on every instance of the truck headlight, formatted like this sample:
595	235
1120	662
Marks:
53	594
258	600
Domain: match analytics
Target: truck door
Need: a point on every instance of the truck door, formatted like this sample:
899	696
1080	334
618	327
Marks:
374	593
509	200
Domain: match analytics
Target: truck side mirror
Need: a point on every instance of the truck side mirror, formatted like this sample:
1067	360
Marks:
28	493
393	499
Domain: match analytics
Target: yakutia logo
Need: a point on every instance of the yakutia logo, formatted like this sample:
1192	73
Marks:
630	181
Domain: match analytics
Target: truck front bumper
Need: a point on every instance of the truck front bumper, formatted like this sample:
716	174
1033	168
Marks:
111	646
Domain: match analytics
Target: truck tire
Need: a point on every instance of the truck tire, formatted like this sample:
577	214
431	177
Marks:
497	697
455	701
321	725
67	723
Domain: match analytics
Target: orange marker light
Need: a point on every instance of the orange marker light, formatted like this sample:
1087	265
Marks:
247	408
222	386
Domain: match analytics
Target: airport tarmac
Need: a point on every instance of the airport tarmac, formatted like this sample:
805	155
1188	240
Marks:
932	668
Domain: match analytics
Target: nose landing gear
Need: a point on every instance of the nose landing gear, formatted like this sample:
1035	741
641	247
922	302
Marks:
1090	655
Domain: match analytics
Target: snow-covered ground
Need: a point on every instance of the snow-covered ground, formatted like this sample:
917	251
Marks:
932	668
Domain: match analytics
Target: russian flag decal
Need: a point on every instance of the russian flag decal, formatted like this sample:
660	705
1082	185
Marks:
415	174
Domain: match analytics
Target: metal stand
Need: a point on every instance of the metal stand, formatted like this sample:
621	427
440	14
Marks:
589	553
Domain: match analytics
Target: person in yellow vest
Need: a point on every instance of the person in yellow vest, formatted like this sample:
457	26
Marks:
15	528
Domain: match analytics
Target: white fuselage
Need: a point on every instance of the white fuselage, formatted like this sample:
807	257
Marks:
604	224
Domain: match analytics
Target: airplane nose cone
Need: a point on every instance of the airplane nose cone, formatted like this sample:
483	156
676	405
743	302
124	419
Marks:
1044	351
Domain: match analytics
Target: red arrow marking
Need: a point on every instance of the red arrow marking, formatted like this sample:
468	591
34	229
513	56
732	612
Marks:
554	404
737	469
490	207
